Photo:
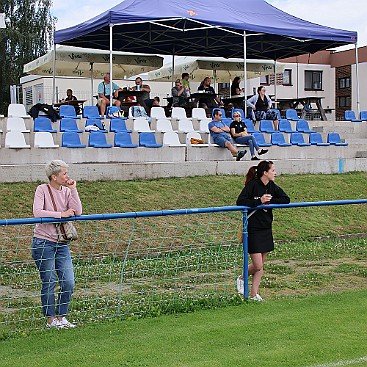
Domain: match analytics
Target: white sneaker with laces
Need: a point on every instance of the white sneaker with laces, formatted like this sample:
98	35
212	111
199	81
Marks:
65	323
240	285
257	298
55	324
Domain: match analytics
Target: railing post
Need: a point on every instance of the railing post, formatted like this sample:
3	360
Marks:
245	252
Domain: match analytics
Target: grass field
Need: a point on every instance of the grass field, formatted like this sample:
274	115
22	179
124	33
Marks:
294	332
314	282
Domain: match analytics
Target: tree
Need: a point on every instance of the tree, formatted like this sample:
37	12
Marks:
29	34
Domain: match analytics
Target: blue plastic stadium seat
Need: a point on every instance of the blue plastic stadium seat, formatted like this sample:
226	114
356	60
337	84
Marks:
69	124
110	110
98	140
240	110
363	115
277	112
96	122
285	126
250	126
266	126
225	119
303	127
350	116
297	139
123	140
43	124
118	125
68	111
71	140
316	139
91	112
291	115
260	140
147	139
334	139
278	139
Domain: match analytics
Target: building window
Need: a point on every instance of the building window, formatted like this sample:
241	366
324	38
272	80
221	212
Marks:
287	77
264	80
344	83
313	80
344	101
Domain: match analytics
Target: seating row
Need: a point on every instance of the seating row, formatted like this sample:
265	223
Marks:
16	139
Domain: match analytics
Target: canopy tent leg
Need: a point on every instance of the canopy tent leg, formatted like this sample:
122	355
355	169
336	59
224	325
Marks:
244	65
173	69
54	76
275	82
91	83
357	77
111	76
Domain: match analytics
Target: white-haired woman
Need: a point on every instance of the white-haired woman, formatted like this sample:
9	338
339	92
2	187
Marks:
52	256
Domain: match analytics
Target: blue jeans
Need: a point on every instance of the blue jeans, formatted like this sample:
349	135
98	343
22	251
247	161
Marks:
54	258
250	141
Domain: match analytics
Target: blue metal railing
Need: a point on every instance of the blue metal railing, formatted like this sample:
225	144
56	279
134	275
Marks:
245	212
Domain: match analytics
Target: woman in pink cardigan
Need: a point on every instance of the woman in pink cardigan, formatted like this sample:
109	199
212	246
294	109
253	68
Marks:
53	257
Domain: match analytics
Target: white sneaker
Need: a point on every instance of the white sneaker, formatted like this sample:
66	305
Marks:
240	285
65	323
257	298
55	324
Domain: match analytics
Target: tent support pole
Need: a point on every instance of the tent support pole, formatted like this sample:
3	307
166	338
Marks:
111	75
275	82
245	65
54	76
91	83
357	77
173	68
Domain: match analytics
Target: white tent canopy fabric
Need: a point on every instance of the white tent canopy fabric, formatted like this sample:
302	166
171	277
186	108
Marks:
84	62
222	69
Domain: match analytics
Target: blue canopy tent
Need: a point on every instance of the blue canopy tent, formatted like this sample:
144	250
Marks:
226	28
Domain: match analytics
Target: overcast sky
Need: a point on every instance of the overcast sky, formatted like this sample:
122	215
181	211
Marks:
349	15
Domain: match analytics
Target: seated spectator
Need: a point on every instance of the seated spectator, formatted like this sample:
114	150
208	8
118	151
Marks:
179	94
70	97
240	136
144	99
104	94
156	101
261	105
218	131
208	102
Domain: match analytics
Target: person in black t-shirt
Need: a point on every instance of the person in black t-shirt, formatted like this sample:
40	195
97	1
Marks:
261	105
240	136
209	100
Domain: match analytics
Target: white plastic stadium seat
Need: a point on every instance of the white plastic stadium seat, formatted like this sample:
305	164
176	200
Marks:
199	113
44	139
141	125
158	113
179	113
194	135
204	126
164	125
16	124
185	126
171	139
17	110
15	139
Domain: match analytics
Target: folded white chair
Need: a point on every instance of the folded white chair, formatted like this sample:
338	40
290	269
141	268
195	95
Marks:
16	124
171	139
164	125
195	135
17	110
185	126
15	139
141	125
44	139
158	113
179	113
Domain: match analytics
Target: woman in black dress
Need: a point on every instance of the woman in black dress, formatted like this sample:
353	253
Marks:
259	189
